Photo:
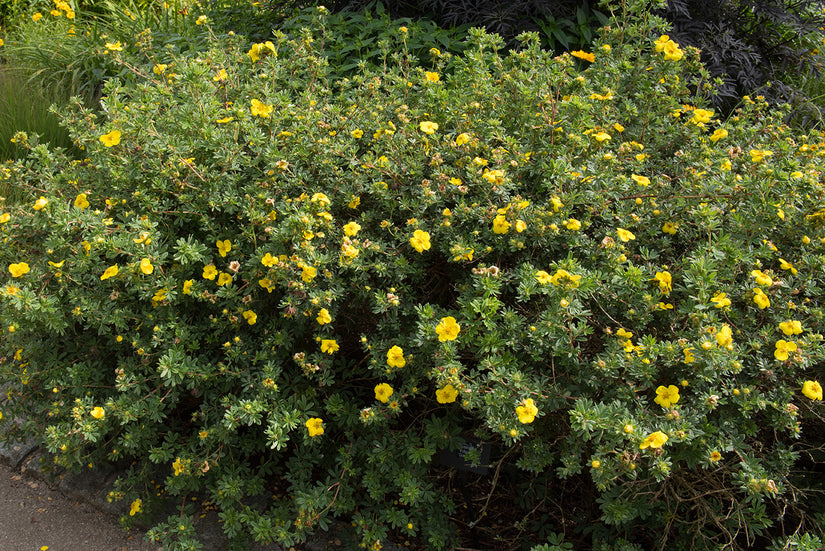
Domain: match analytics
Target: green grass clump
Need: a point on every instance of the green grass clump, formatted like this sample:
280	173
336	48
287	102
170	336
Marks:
24	107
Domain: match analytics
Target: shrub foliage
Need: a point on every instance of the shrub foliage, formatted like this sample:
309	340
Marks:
261	281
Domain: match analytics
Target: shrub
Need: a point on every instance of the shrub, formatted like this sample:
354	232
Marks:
261	282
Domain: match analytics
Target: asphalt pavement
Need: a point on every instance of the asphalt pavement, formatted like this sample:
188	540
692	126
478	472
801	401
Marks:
34	517
47	510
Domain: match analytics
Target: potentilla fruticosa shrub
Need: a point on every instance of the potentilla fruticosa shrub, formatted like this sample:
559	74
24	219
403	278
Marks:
262	282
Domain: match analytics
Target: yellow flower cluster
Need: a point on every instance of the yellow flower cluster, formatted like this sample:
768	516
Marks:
669	48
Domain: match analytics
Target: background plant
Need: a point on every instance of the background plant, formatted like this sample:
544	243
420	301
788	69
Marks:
25	106
289	290
74	52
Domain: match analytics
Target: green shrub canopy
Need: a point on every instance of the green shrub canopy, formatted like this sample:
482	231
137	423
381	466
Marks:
258	278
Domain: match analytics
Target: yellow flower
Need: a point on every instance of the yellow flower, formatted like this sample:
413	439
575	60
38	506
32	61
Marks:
260	109
527	411
420	241
18	269
584	55
760	298
572	224
715	456
791	327
595	463
701	116
812	390
761	277
665	281
315	426
308	273
720	300
98	412
329	346
565	279
758	155
178	466
428	127
666	396
111	139
785	265
500	224
136	507
446	395
628	428
323	317
114	46
383	392
447	329
268	260
783	349
259	50
493	176
221	76
37	17
81	202
462	139
210	272
351	228
431	77
5	217
689	357
111	271
187	286
601	137
671	50
643	181
40	203
718	134
724	337
160	68
201	20
146	266
250	317
655	440
224	247
321	199
395	357
625	235
543	277
356	133
670	227
726	165
159	297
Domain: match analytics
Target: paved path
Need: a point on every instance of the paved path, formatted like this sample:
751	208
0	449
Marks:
34	517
